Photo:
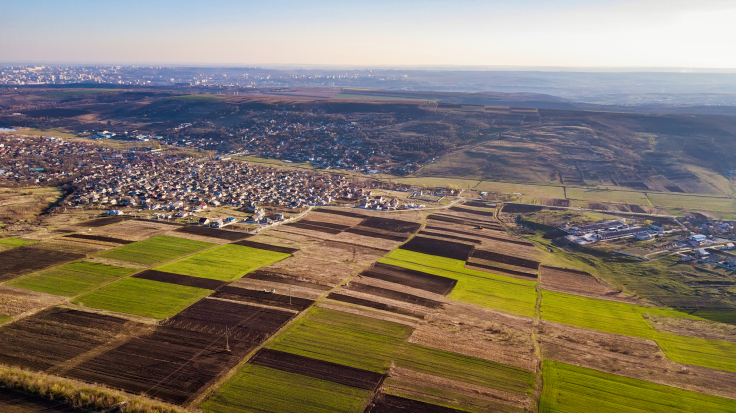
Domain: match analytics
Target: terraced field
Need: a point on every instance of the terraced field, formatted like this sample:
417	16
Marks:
143	297
225	263
71	279
571	389
155	250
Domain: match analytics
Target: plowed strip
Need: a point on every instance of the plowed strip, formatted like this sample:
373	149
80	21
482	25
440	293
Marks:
391	225
373	234
266	275
340	212
99	238
268	298
386	403
325	370
441	235
179	279
481	235
448	249
213	233
325	224
505	259
394	295
314	228
411	278
372	304
26	259
267	247
499	270
472	211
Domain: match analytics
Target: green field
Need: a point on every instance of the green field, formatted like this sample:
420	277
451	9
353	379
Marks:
262	389
571	389
481	288
155	250
693	202
71	279
605	195
626	319
143	297
352	340
225	263
14	242
4	318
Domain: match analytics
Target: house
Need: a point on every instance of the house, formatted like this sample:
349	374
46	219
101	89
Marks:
204	221
643	236
703	253
698	237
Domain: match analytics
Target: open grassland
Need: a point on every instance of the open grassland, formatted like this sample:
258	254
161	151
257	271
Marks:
262	389
626	319
604	195
693	202
143	297
4	318
225	263
71	279
156	250
481	288
571	389
14	242
344	338
467	369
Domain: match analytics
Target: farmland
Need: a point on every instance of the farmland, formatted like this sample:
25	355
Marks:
71	279
155	250
143	297
575	389
14	242
224	263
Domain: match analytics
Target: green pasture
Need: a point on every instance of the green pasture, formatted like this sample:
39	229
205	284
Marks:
571	389
71	279
607	195
480	288
225	263
143	297
155	250
626	319
14	242
262	389
693	202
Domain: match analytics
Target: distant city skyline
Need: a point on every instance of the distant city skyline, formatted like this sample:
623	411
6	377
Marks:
527	34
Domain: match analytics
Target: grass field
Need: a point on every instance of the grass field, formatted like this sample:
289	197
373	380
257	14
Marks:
603	195
571	389
155	250
4	318
262	389
143	297
626	319
481	288
225	263
344	338
465	368
71	279
693	202
14	242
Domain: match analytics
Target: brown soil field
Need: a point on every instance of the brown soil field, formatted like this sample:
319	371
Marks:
472	211
462	221
479	332
469	396
26	259
319	215
365	241
99	222
394	295
259	297
285	239
281	285
133	229
500	270
305	232
275	276
341	212
54	336
15	301
451	237
386	403
267	247
630	357
368	312
358	249
99	238
12	401
411	278
693	328
581	283
374	234
213	233
319	369
505	259
502	237
317	228
185	355
326	224
179	279
328	271
448	249
520	209
477	204
71	245
391	225
374	304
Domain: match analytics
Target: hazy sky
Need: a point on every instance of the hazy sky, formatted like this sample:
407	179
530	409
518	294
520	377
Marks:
644	33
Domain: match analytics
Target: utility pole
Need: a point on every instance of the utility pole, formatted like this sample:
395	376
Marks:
289	293
227	338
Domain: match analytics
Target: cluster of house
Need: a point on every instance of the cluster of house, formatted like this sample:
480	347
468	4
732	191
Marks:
720	256
607	230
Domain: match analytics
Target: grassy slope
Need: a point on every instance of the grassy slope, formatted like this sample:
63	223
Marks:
155	250
262	389
481	288
14	242
224	263
626	319
143	297
71	279
575	389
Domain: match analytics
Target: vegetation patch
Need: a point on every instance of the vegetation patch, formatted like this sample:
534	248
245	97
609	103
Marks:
263	389
575	389
224	263
143	297
71	279
156	250
14	242
25	259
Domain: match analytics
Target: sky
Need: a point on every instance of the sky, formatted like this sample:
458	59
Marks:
383	33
